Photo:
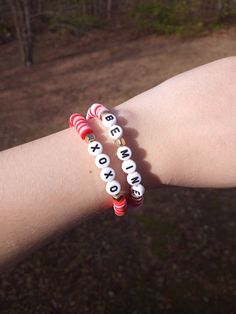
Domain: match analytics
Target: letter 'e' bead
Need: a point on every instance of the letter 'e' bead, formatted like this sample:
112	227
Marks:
124	153
115	132
113	187
128	166
137	190
95	148
134	178
102	161
107	174
108	120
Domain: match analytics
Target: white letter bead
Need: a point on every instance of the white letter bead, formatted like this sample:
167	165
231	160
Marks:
128	166
124	153
134	178
95	148
102	161
107	174
113	187
108	120
115	132
137	190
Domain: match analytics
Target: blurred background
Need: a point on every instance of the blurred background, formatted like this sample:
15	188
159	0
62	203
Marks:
177	253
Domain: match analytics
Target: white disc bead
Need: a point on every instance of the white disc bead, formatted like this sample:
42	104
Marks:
124	153
102	161
113	187
137	190
107	174
128	166
115	132
134	178
95	148
109	120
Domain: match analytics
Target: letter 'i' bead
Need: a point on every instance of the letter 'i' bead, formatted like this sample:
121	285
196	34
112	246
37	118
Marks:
128	166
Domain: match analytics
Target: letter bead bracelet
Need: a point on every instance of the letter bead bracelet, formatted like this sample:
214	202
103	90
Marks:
120	200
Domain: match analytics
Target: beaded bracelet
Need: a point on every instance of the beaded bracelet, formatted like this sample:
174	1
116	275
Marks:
124	153
102	161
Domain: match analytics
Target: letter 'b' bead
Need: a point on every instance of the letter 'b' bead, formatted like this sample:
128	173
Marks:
102	161
113	187
134	178
107	174
115	132
108	120
95	148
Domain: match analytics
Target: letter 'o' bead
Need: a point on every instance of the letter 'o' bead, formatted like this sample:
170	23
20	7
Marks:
113	187
137	190
134	178
102	161
128	166
107	174
108	120
124	153
115	132
95	148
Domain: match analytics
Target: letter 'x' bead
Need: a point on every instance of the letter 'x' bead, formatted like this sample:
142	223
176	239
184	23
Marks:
95	148
107	174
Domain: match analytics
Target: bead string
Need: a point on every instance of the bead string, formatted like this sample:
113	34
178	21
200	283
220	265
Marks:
102	161
124	153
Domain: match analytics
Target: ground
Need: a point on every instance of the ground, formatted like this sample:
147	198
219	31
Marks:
174	255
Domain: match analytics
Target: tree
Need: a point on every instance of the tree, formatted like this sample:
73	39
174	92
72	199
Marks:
21	13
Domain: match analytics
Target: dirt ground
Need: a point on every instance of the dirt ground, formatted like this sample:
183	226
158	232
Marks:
177	254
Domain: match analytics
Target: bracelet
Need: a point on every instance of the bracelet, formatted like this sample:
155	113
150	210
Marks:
124	153
102	161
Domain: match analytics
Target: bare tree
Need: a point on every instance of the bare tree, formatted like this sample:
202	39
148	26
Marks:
21	13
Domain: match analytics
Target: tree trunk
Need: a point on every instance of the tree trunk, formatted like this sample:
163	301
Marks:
21	15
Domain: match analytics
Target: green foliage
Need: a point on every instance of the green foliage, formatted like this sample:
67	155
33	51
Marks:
179	17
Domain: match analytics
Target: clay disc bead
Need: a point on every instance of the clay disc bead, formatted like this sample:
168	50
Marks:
115	132
108	120
95	148
102	161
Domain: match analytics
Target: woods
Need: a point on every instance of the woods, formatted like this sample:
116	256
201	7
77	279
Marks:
24	19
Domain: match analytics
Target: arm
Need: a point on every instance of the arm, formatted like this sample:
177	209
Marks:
182	132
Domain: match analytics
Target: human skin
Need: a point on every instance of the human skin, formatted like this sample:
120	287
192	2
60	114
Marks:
182	133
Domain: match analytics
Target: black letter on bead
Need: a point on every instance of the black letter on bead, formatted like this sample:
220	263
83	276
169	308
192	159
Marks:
95	147
129	167
102	160
115	131
125	153
135	180
107	175
109	118
135	192
113	188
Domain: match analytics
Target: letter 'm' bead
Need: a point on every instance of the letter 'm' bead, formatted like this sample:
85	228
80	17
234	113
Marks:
124	153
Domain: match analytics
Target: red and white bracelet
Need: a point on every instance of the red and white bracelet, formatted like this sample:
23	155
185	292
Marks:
124	153
102	161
